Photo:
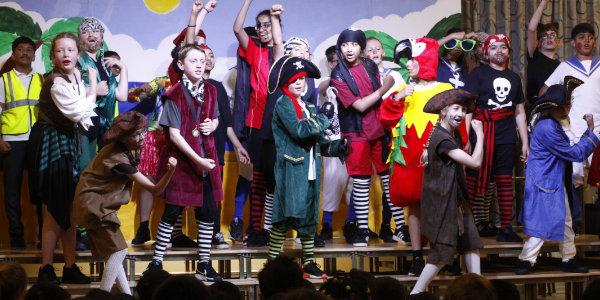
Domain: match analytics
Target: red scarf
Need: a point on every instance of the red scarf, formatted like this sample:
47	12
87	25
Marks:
284	88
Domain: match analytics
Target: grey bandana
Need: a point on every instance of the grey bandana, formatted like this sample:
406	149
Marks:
90	24
294	42
196	92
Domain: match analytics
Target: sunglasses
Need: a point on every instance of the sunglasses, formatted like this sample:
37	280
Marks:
466	44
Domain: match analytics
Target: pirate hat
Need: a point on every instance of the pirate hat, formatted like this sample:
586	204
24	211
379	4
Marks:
287	68
449	97
556	95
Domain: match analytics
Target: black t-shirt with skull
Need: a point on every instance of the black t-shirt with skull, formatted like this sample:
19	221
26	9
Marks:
497	89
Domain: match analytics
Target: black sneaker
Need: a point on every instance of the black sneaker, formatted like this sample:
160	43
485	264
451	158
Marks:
523	268
236	229
81	241
47	274
183	241
416	267
205	272
258	238
386	234
573	266
401	235
506	234
372	234
313	270
486	229
350	231
142	235
154	265
326	232
319	241
74	275
219	241
362	238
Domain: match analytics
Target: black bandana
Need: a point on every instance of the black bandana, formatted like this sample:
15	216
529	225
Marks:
357	36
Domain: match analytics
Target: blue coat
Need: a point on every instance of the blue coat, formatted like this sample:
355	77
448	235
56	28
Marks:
548	173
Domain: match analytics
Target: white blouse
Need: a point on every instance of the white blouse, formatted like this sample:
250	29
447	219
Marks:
71	100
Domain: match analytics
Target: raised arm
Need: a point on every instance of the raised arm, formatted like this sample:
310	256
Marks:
532	27
199	12
276	11
454	35
122	92
238	25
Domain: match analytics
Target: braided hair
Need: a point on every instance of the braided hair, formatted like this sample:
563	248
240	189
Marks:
424	158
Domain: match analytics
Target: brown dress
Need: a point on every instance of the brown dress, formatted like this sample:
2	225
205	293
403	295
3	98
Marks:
446	219
102	189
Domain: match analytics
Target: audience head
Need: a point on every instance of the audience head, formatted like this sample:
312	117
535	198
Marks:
149	282
303	294
47	291
386	288
280	275
181	287
423	296
224	290
470	287
98	294
354	285
592	291
506	290
13	281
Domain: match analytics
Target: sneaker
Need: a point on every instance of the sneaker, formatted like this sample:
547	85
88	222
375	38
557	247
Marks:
258	238
416	267
486	229
319	241
153	265
402	235
313	270
235	230
573	266
350	231
142	235
372	234
81	241
362	238
183	241
386	234
205	272
506	234
47	274
74	275
326	232
523	268
219	241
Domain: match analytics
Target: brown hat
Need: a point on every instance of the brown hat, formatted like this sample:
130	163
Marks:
124	125
449	97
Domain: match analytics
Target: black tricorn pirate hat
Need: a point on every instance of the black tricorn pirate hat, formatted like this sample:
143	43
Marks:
287	67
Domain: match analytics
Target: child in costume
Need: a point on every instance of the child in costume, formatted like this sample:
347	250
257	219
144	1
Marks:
402	113
189	117
53	154
299	141
358	86
447	220
548	197
105	185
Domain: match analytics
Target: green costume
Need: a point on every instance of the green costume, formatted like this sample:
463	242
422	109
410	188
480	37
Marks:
296	203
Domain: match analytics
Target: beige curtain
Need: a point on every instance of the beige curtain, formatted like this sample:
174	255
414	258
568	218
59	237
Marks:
511	17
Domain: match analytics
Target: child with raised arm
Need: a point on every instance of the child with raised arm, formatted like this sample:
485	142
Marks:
447	220
549	190
105	185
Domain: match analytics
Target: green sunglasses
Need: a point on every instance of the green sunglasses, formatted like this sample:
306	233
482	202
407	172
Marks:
466	44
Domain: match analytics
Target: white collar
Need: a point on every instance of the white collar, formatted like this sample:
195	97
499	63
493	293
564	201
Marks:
24	74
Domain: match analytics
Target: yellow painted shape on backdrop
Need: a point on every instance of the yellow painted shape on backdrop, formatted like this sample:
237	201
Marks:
161	6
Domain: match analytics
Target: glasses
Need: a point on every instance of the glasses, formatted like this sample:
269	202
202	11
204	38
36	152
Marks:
466	44
265	25
549	36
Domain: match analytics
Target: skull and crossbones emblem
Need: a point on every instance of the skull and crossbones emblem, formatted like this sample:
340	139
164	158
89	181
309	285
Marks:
501	89
299	65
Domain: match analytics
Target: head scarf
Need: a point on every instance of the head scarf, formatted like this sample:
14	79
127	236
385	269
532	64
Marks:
95	25
352	35
294	42
494	39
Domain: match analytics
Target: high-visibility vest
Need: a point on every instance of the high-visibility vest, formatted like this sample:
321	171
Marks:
21	106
